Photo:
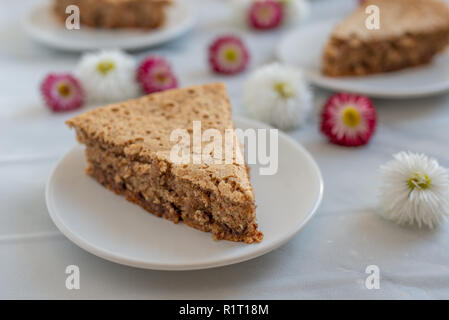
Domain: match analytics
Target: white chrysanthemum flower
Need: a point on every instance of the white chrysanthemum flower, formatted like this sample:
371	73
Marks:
295	11
415	190
277	94
108	76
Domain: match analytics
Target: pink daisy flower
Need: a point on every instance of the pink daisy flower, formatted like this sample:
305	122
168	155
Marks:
155	74
348	119
265	14
62	92
228	55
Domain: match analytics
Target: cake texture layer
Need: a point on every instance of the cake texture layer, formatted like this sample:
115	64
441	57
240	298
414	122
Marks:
128	150
112	14
410	33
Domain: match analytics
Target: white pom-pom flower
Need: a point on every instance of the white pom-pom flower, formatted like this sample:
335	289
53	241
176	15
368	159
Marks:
295	11
277	94
415	190
108	76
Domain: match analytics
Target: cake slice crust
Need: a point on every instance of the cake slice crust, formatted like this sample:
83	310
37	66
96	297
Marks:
128	151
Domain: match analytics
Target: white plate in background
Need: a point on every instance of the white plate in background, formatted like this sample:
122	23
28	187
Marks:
45	28
303	47
110	227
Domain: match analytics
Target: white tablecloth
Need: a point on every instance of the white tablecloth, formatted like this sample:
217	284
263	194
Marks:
325	260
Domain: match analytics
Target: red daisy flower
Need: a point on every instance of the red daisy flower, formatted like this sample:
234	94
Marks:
62	92
348	119
228	55
154	74
265	14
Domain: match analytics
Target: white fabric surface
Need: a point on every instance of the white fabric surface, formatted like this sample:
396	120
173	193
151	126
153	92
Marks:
326	260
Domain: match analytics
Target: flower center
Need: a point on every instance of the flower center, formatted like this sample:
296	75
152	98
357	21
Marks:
351	117
64	89
105	66
160	77
284	89
231	55
419	180
264	13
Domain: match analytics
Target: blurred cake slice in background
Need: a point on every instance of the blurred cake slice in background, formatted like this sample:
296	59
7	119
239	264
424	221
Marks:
410	33
112	14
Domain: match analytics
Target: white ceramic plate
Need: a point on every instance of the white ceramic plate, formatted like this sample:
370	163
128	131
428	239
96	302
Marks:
43	27
110	227
304	46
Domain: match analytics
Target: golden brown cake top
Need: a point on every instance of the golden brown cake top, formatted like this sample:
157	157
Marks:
141	129
397	17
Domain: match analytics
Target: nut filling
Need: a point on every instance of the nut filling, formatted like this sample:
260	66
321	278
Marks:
166	196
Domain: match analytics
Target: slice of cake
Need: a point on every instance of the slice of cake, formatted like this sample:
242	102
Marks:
411	33
129	150
110	14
